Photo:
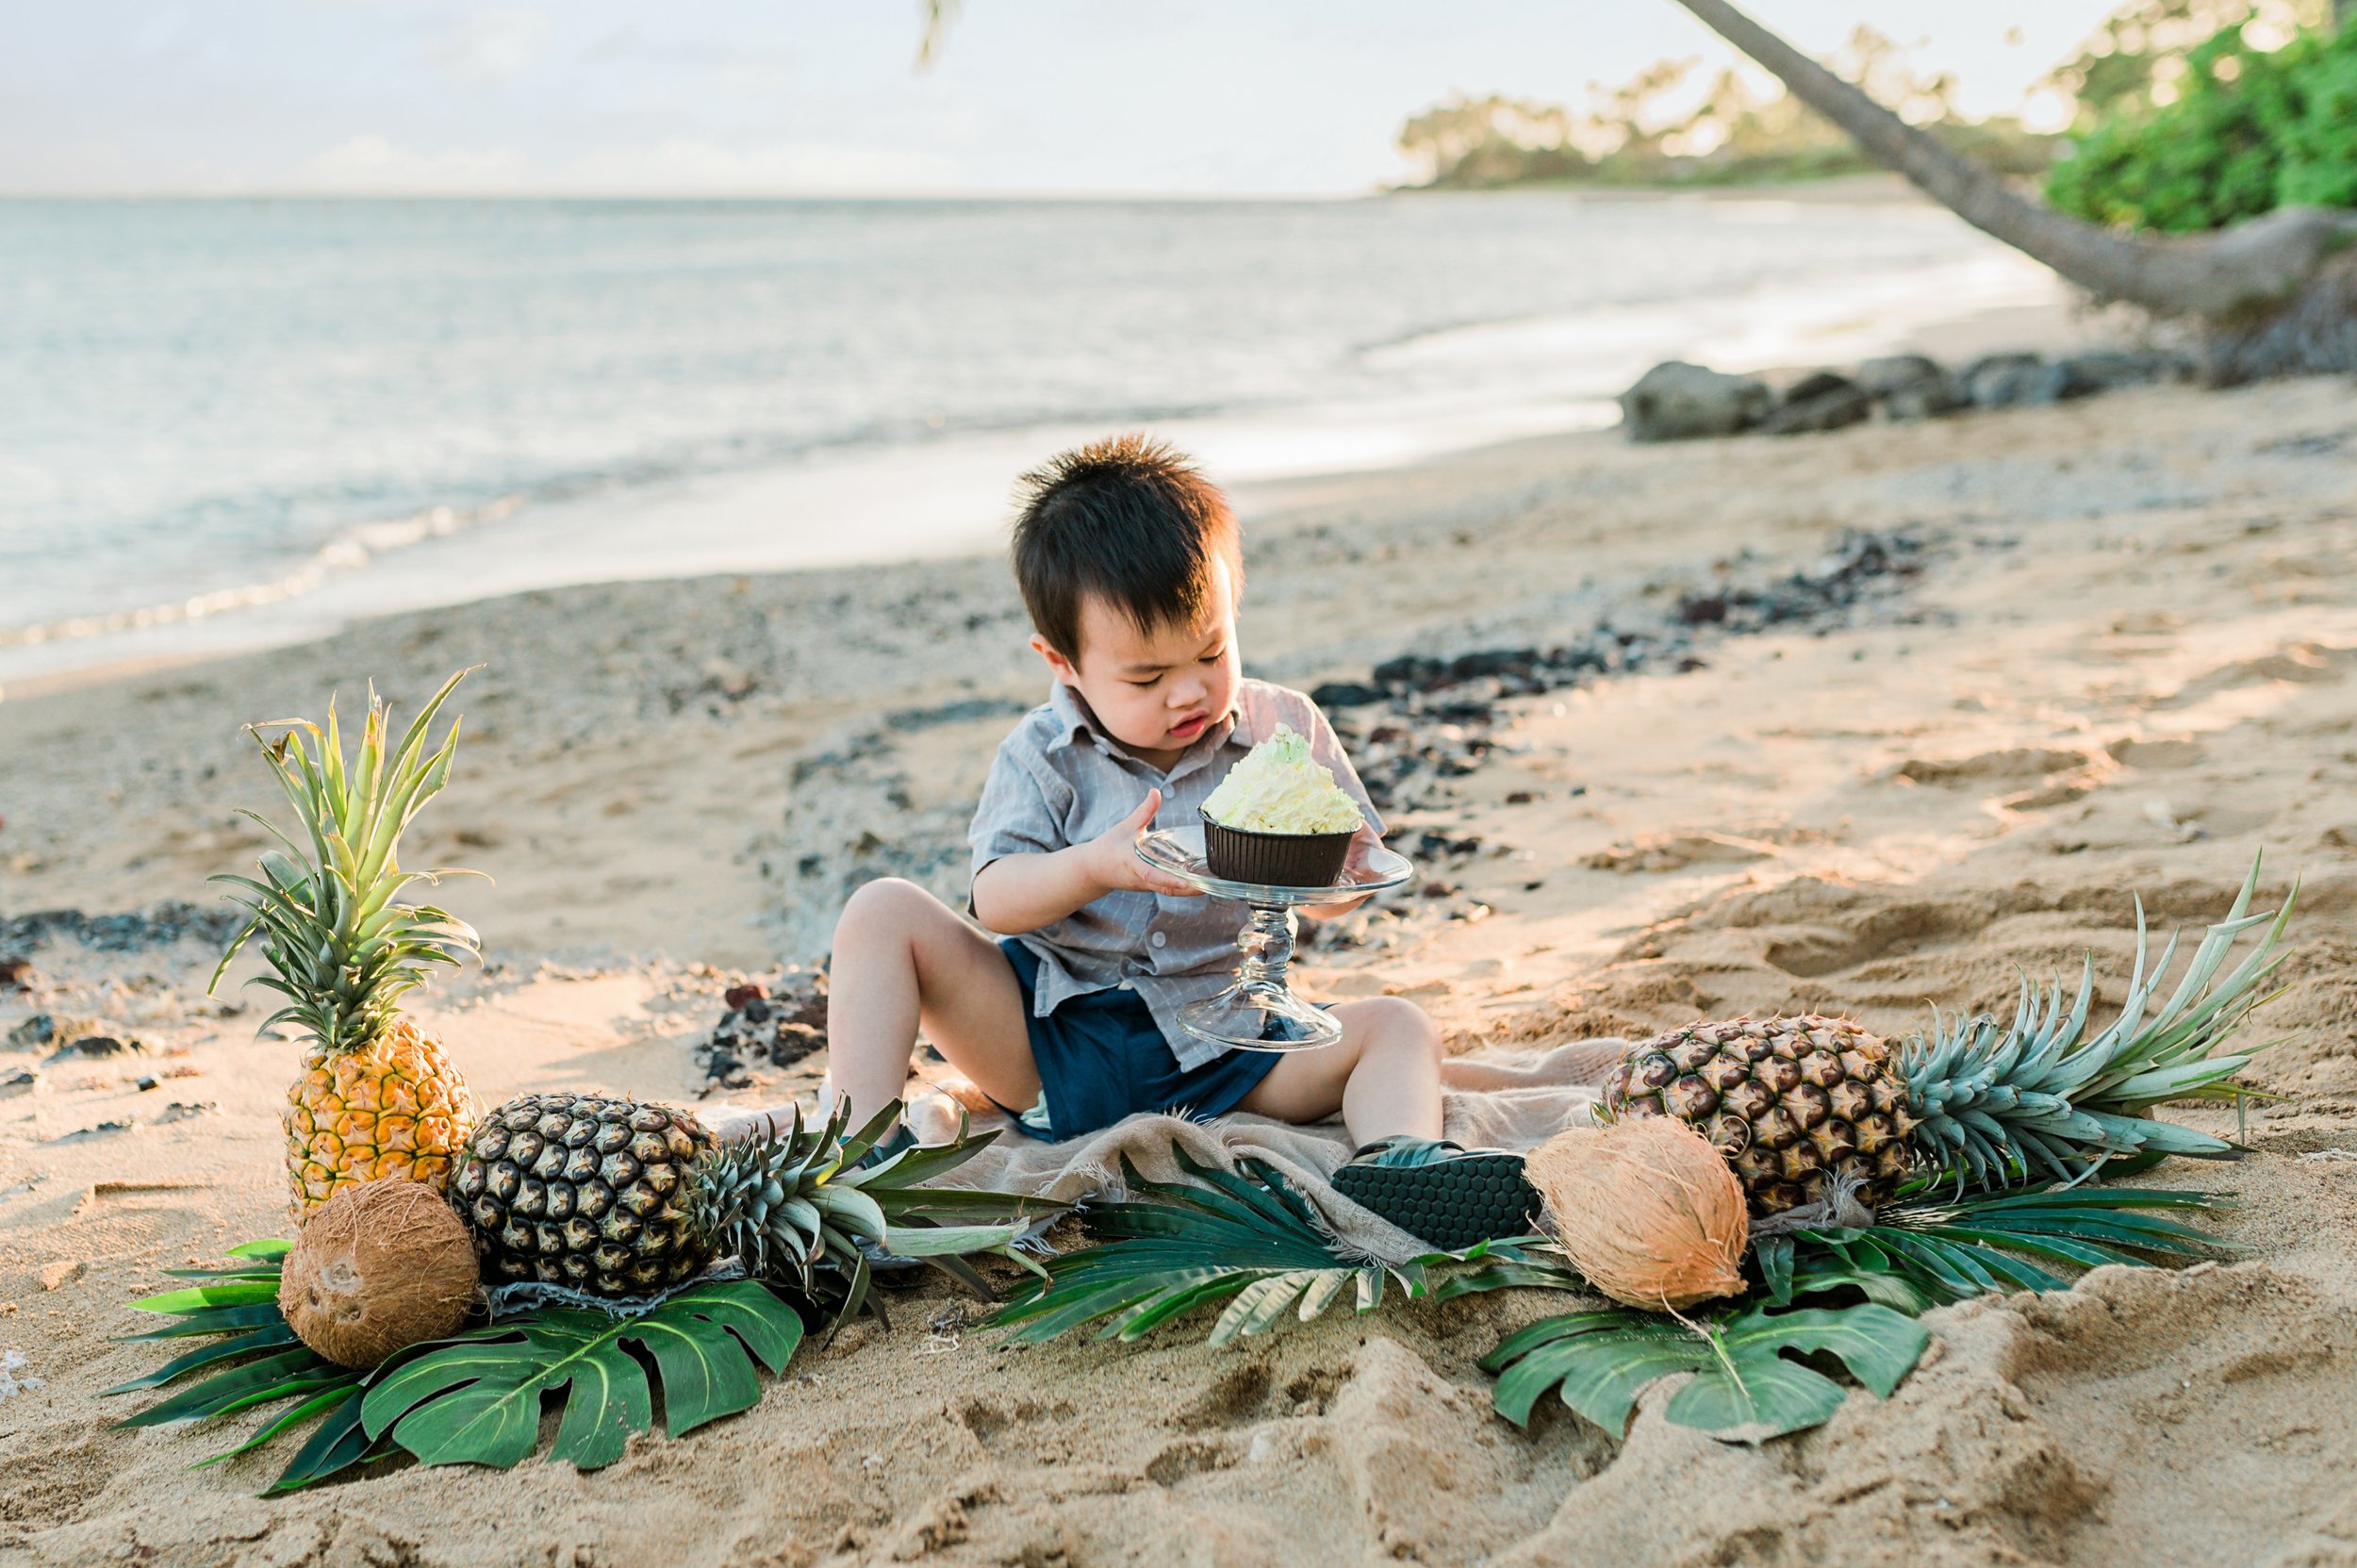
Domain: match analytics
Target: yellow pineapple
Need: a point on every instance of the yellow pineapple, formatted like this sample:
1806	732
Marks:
377	1096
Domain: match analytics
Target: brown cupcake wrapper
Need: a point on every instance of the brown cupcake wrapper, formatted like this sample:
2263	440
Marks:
1276	859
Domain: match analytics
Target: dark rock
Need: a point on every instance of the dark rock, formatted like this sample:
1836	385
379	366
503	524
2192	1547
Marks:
100	1130
958	712
39	1029
2013	381
1462	713
158	926
23	1082
2312	443
1823	401
143	1086
1910	386
1495	661
1886	374
1412	670
1346	694
95	1047
2103	369
16	974
1702	609
766	1026
1675	402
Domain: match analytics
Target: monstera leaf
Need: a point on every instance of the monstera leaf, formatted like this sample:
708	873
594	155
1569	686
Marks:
1744	1389
478	1402
471	1399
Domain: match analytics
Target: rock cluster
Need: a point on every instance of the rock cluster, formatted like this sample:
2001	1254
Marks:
1418	722
158	926
1437	712
1675	401
763	1028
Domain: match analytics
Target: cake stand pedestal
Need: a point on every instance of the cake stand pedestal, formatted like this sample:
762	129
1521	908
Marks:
1240	1015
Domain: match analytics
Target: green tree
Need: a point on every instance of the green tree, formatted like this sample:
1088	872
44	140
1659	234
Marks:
2245	132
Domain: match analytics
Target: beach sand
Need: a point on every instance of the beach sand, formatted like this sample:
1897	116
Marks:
2128	663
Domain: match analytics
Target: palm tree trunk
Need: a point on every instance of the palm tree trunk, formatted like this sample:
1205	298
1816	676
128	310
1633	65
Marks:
2237	278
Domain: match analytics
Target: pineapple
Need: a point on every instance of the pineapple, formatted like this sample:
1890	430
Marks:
377	1097
1799	1105
617	1197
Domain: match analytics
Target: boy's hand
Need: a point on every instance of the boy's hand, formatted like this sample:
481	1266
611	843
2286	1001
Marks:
1112	856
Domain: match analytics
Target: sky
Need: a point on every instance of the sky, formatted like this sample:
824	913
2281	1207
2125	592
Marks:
802	97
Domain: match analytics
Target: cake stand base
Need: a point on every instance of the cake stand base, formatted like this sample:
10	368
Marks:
1215	1019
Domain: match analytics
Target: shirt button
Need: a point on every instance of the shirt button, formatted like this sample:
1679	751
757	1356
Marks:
1160	939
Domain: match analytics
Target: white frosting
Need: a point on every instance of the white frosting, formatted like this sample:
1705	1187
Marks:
1277	788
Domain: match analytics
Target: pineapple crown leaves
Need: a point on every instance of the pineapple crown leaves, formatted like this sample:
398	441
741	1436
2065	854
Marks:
787	1200
345	948
1999	1101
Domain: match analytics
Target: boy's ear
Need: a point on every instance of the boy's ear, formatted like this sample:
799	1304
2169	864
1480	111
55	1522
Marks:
1062	668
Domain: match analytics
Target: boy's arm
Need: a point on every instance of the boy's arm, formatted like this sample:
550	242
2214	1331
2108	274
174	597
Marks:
1022	892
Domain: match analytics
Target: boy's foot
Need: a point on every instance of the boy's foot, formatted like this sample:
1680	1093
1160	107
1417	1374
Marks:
1439	1193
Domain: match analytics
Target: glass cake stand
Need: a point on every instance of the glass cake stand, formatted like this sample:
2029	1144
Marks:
1266	943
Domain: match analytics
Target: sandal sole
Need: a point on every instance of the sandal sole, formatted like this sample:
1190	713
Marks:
1451	1206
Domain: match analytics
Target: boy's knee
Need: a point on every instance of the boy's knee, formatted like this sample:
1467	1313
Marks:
1400	1025
892	904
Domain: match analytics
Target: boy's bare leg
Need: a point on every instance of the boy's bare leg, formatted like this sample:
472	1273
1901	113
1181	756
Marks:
902	960
1461	1073
1383	1075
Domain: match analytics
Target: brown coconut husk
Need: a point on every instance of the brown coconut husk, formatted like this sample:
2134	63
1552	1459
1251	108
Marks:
1646	1210
376	1268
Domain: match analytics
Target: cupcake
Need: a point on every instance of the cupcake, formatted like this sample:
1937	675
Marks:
1278	818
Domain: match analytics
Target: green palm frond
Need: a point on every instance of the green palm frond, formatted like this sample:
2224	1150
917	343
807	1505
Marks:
1927	1251
2001	1102
258	1362
1244	1237
343	946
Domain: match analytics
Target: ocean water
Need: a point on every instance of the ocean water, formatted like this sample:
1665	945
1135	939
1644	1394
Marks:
225	422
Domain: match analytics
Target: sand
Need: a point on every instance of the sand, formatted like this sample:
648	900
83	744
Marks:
2129	665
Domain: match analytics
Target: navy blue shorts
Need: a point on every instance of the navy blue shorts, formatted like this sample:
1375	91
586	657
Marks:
1102	1057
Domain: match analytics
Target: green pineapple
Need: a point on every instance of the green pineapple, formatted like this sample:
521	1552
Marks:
617	1197
1797	1103
377	1097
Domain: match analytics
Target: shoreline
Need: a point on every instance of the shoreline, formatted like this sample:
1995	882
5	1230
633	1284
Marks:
878	504
2132	665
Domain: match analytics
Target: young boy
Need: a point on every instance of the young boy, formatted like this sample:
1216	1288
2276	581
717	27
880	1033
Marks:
1129	563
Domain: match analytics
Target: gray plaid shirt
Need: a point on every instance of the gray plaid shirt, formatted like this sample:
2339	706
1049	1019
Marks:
1060	780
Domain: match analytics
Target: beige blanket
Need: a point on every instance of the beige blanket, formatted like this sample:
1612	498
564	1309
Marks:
1563	1084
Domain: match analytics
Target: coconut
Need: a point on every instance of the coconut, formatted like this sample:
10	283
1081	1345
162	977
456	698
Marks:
1646	1208
378	1268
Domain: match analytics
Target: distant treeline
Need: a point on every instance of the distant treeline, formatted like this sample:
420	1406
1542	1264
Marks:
1650	131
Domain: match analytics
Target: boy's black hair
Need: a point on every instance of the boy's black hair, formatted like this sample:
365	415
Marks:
1130	520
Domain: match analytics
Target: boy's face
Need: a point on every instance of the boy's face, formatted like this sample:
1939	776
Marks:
1157	691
